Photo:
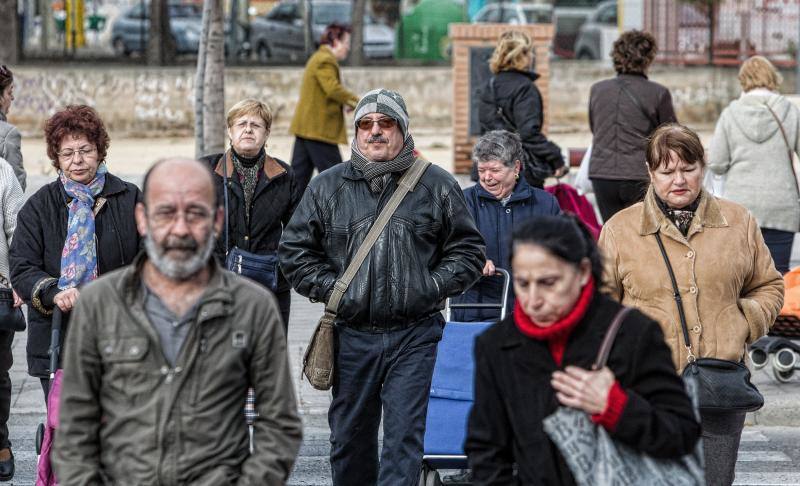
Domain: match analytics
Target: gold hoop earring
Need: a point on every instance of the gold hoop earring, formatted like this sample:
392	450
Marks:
516	176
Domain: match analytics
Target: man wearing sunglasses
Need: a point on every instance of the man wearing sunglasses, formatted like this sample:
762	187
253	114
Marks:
389	320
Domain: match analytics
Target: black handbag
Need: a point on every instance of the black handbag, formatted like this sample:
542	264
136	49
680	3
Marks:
260	268
723	386
11	318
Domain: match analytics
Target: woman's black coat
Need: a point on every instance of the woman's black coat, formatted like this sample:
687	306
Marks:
513	395
35	253
275	199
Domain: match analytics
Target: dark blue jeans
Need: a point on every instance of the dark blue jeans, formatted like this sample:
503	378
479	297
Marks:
780	246
392	371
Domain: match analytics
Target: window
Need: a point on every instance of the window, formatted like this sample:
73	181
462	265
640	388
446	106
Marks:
510	16
490	15
284	12
608	15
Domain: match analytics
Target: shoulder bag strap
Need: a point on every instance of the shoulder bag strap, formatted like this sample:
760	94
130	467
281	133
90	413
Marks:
608	340
499	109
677	295
406	184
224	161
636	101
788	147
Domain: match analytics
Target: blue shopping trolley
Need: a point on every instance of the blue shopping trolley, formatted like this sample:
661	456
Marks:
451	393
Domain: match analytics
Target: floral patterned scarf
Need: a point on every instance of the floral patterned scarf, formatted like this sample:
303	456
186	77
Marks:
682	218
79	256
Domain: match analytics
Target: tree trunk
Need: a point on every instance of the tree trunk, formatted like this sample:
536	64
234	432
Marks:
9	34
214	82
160	43
357	39
199	142
48	28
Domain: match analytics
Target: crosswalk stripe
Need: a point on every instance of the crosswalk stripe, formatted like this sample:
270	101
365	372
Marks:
763	456
766	479
753	436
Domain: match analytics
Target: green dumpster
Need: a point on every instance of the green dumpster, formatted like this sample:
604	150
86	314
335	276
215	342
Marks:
423	31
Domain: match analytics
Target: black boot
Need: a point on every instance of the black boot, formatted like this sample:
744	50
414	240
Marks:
7	468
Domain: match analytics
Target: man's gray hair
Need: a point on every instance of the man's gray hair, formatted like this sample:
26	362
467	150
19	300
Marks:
499	145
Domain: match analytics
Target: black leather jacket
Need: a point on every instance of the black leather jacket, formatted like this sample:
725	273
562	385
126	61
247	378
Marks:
428	251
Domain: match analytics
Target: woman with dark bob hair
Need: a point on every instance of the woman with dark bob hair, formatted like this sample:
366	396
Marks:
730	290
623	112
75	228
539	358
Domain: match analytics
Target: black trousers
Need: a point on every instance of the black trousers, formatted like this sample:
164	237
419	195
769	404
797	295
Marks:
6	360
285	303
614	195
310	154
780	247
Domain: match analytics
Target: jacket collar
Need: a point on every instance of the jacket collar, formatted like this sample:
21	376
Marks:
522	190
632	75
216	300
272	168
529	74
708	214
350	172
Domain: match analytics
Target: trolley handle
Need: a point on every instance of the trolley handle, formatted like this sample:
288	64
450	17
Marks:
502	305
55	340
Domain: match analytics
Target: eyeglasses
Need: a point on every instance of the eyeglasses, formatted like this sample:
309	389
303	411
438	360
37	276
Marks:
385	123
83	152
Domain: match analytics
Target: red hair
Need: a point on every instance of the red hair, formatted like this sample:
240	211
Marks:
75	120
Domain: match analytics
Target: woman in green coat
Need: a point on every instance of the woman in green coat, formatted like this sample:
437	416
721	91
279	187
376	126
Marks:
318	123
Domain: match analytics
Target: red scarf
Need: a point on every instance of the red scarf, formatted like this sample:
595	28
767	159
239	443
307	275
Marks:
558	333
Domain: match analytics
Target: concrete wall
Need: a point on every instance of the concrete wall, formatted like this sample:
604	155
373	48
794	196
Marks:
141	101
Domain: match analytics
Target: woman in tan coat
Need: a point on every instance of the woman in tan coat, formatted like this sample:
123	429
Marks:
727	280
318	123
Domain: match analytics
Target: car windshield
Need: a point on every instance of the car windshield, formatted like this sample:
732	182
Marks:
328	13
537	16
184	10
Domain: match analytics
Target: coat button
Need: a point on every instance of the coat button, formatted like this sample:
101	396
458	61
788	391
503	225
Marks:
246	238
508	211
164	370
693	290
134	350
696	329
690	254
108	349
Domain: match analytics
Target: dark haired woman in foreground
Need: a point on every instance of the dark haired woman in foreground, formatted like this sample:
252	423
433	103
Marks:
539	358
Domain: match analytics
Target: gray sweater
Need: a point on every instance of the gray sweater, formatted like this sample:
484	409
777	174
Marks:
11	149
748	147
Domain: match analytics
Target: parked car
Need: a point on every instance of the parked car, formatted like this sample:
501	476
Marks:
597	34
515	13
130	30
567	17
280	34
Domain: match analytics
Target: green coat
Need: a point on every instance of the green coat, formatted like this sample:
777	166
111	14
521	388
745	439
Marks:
132	419
318	115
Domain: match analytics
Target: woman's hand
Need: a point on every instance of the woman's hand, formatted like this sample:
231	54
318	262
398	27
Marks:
17	299
582	389
66	299
488	269
561	172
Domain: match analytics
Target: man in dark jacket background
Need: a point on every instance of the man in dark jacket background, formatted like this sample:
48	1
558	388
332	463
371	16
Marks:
160	355
389	320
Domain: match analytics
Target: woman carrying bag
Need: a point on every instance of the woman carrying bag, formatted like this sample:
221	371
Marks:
540	358
700	267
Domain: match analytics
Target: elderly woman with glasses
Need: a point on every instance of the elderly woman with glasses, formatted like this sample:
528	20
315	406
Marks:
499	203
73	229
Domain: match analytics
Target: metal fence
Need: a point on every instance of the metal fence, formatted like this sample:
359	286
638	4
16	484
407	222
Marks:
742	28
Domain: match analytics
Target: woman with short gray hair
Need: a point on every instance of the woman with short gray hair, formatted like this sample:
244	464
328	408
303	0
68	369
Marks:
499	202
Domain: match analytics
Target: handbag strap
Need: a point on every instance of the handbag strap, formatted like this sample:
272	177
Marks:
788	146
225	196
624	87
677	295
608	340
406	184
499	109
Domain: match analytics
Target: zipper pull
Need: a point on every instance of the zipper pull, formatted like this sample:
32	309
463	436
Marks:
203	343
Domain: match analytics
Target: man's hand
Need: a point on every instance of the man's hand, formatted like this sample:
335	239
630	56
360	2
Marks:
17	299
561	171
66	299
582	389
488	269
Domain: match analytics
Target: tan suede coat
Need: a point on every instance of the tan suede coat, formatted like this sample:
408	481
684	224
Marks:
730	289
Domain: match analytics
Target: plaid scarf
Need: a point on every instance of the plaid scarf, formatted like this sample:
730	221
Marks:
376	172
79	256
248	175
682	218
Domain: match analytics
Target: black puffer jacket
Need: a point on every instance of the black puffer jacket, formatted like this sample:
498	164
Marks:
621	125
429	250
35	254
521	101
275	199
513	395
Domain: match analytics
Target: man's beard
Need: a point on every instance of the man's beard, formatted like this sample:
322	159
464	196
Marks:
179	269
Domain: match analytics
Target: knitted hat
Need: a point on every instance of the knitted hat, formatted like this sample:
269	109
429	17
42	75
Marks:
386	102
